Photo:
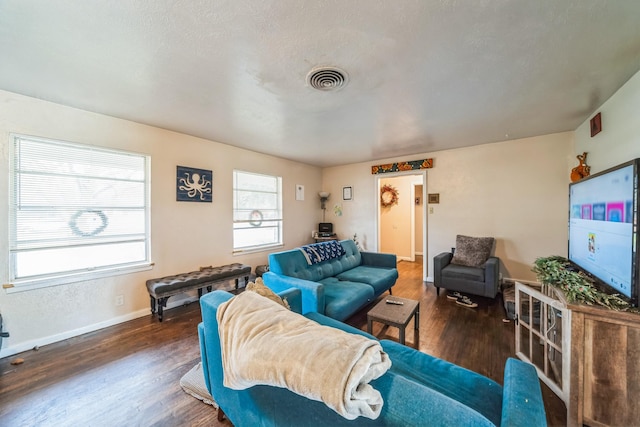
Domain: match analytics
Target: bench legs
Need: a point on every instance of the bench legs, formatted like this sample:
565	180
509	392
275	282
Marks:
246	281
157	305
153	304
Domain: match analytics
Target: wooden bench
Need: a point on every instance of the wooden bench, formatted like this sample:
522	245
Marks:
161	289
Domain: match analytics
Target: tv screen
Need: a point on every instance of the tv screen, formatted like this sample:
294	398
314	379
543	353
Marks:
603	228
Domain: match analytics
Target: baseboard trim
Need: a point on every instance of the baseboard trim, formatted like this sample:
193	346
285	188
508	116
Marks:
39	342
523	281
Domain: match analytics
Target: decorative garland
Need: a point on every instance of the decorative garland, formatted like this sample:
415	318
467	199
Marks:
577	286
402	166
388	196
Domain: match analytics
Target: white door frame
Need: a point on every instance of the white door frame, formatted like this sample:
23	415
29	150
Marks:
422	172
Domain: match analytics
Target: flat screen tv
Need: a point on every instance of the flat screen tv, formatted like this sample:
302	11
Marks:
603	228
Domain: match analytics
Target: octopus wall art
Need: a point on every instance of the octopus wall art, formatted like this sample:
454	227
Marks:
194	185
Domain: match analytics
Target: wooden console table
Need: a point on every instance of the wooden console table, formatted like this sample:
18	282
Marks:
594	366
318	238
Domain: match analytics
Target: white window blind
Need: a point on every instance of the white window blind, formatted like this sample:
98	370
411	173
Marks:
257	211
76	209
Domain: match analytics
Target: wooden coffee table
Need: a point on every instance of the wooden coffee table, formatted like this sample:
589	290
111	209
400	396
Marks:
397	315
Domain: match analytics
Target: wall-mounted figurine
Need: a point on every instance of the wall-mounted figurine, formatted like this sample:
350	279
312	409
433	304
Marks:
582	170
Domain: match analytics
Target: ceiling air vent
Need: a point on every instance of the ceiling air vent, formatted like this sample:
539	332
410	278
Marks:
327	78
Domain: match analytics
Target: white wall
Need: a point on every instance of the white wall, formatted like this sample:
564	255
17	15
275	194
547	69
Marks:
185	236
515	191
619	139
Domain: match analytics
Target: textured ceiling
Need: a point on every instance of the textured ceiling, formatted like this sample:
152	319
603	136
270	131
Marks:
424	75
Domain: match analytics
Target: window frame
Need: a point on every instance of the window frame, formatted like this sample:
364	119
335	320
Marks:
279	220
78	275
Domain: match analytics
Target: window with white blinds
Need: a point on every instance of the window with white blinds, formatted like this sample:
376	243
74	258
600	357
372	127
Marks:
257	211
76	210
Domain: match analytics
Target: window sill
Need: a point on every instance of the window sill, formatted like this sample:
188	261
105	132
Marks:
256	250
46	282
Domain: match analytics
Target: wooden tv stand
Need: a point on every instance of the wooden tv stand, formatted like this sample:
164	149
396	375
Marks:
605	367
601	362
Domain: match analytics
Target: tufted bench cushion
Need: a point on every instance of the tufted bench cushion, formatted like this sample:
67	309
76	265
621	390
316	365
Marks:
162	288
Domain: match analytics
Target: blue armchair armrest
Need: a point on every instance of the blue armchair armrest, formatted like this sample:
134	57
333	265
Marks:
312	292
294	299
522	397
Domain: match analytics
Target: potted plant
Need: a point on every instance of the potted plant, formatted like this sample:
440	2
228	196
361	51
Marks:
578	287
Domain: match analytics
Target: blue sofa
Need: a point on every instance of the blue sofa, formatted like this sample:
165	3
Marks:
418	389
337	287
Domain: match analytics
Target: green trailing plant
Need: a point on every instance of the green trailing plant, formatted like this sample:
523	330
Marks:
577	286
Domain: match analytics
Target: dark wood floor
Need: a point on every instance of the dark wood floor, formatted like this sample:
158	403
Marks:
128	374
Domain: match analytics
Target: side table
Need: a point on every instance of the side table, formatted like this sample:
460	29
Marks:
397	315
318	238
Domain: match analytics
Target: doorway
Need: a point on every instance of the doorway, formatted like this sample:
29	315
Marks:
402	227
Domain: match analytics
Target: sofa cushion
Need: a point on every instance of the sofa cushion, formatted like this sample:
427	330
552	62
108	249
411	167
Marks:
472	251
410	403
352	257
380	278
467	387
342	298
455	271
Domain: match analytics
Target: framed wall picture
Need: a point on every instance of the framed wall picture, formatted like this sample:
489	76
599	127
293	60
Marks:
434	198
193	185
596	124
347	193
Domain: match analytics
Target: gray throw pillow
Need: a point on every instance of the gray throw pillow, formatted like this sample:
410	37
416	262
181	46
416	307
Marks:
472	251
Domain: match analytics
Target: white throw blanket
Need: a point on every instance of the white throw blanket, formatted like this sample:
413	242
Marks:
264	343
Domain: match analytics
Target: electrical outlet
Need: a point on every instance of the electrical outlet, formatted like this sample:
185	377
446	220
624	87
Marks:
119	299
430	209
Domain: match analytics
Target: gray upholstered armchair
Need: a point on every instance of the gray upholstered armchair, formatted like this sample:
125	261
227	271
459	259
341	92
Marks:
469	268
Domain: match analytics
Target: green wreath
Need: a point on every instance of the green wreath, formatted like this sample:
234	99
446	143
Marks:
87	213
255	218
